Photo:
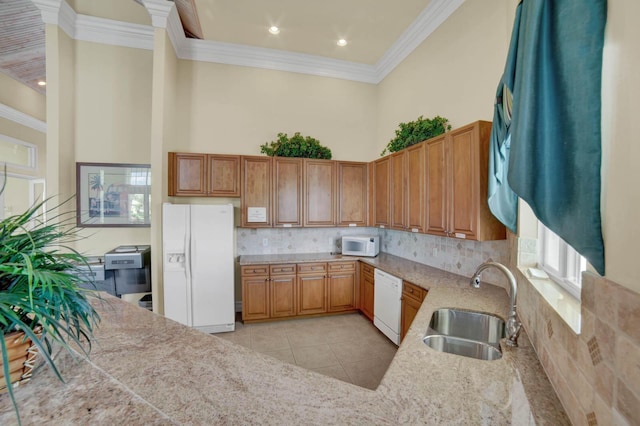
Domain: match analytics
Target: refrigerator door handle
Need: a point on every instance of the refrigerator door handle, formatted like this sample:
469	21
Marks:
187	271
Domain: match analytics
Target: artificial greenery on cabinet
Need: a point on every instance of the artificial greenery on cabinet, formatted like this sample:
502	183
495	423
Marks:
412	132
296	146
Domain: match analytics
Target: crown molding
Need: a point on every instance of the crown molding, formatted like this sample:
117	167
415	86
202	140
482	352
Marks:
257	57
164	15
57	12
176	32
21	118
160	11
107	31
426	23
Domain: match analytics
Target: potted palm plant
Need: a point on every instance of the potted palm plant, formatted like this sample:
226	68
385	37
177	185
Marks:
41	303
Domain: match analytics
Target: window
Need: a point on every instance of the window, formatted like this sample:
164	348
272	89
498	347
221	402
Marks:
18	154
560	261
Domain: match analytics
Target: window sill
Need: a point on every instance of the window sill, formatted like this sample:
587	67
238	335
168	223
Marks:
567	306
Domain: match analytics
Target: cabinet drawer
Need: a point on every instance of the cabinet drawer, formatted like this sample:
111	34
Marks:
342	266
306	268
289	269
255	270
367	269
413	291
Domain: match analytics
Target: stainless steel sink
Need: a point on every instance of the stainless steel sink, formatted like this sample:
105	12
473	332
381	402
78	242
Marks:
464	347
466	333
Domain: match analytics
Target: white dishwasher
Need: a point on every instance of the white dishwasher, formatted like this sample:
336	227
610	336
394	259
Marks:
386	304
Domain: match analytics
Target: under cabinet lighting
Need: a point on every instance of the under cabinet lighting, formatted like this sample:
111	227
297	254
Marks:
342	42
274	30
42	83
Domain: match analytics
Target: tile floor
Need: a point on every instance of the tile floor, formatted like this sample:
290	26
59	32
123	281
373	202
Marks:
348	347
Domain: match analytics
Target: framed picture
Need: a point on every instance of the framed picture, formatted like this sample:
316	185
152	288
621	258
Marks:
110	195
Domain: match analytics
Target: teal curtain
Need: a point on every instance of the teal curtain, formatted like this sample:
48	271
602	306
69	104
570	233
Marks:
503	202
555	152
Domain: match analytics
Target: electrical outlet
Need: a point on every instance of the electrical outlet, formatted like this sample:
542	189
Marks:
265	242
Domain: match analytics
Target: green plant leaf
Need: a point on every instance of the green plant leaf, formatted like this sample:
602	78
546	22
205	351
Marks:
296	146
413	132
39	286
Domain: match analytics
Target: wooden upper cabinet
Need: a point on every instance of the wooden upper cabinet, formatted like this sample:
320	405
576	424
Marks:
465	185
407	187
202	175
398	187
224	175
380	194
256	191
287	191
187	174
457	184
319	192
352	193
436	189
415	159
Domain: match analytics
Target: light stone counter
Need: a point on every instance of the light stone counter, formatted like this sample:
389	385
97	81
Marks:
146	369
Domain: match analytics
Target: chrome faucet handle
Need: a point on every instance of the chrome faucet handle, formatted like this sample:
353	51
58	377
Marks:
475	281
514	327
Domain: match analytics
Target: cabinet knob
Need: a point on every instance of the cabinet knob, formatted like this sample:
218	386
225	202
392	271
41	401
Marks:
410	290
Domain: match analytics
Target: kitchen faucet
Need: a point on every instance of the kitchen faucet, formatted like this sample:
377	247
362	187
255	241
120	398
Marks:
513	325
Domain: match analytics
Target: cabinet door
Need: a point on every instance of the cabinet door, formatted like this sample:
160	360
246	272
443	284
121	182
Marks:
319	193
415	190
287	191
224	175
366	290
312	296
381	195
436	186
341	286
283	296
255	297
463	193
410	308
256	190
187	174
352	194
398	187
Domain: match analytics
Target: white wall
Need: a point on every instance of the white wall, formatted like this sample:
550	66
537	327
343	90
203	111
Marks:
453	73
621	127
112	122
231	109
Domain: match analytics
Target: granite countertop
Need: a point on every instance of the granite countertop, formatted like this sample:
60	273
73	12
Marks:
146	369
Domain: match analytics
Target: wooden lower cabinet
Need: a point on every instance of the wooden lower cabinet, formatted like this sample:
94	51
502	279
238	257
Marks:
341	286
312	288
282	290
255	296
290	290
367	289
412	298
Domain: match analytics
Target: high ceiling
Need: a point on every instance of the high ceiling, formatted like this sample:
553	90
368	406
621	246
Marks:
313	27
310	26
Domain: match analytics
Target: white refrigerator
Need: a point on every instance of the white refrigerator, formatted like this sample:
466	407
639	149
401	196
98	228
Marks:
198	265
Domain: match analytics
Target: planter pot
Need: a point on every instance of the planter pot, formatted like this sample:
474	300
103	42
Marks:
22	353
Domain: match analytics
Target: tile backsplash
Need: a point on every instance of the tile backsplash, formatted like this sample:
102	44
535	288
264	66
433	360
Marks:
595	373
450	254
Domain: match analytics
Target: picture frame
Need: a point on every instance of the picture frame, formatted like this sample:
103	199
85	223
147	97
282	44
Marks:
113	195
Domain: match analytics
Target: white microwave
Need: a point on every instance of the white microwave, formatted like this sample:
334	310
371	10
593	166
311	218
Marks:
361	245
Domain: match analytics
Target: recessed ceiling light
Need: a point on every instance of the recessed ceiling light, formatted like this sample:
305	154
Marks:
274	30
342	42
42	83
